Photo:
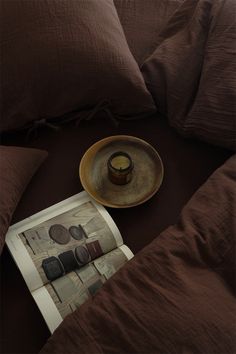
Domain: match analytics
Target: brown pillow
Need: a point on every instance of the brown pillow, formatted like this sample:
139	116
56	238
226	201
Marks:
17	166
191	74
142	21
64	56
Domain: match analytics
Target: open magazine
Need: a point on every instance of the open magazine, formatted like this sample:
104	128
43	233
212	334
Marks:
65	254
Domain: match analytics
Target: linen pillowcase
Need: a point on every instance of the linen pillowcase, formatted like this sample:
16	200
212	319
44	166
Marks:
17	166
142	21
213	115
191	74
65	56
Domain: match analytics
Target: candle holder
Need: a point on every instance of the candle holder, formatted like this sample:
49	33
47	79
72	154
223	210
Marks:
120	167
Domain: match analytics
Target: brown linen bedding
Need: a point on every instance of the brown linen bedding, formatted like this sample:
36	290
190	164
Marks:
138	226
146	18
191	74
17	167
70	60
172	297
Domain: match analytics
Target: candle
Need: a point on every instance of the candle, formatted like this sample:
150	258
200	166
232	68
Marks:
120	168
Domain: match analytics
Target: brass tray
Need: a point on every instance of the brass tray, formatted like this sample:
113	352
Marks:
147	174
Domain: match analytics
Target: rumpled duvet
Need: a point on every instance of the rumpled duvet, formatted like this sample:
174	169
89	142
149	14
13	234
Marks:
192	72
177	295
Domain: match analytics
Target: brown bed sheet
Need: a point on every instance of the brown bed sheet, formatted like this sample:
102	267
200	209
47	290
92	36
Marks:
172	297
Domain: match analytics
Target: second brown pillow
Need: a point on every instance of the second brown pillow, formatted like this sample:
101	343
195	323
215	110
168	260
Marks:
191	74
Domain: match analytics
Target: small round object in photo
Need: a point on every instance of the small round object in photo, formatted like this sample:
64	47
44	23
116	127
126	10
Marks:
82	255
77	232
59	234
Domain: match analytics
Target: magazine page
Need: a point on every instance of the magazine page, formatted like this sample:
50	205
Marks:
64	295
67	235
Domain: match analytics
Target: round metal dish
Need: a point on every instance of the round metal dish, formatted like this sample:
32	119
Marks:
147	173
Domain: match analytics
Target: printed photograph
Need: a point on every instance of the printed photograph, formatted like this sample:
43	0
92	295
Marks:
74	253
68	241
